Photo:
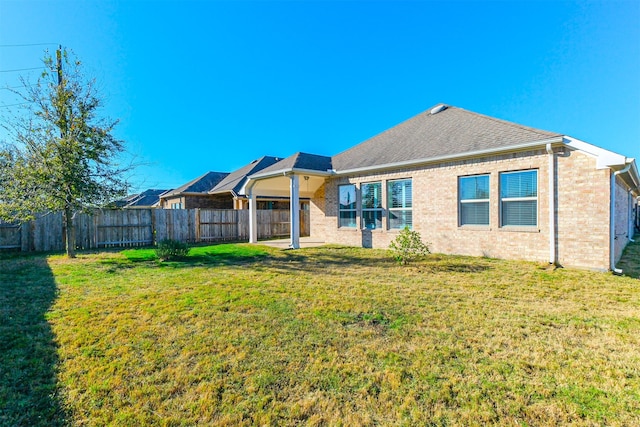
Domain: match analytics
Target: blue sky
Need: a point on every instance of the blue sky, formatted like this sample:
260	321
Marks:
205	85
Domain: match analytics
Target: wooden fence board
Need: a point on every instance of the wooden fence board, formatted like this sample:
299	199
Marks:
142	227
10	235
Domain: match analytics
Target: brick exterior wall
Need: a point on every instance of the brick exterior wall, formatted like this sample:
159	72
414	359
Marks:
166	203
583	211
582	205
216	201
204	202
623	212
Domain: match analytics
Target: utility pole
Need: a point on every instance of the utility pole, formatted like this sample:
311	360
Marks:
59	58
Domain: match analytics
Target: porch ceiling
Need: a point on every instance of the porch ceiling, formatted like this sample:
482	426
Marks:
279	185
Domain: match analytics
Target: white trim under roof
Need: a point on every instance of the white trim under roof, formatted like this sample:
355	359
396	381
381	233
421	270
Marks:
289	171
604	158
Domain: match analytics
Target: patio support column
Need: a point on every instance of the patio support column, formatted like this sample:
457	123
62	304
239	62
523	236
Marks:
294	209
253	219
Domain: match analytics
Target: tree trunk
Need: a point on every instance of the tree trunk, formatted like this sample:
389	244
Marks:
70	233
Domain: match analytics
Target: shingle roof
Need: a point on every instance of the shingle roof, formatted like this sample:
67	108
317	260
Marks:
236	179
452	131
306	161
146	198
202	184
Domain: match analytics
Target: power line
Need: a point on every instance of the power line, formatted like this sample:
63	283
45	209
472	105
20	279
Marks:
21	69
18	87
28	44
13	105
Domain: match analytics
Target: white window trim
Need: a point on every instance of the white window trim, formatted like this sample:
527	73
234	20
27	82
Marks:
390	209
355	210
519	199
363	209
465	201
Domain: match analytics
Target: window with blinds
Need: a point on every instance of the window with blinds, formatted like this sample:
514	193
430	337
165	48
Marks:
399	203
519	198
473	197
347	205
371	194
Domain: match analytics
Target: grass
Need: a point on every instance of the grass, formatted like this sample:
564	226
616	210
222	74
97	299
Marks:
250	335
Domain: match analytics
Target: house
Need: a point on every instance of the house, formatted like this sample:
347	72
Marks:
147	199
232	186
195	194
470	184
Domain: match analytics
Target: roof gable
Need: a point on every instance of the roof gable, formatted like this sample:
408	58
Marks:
300	161
147	198
202	184
448	131
235	180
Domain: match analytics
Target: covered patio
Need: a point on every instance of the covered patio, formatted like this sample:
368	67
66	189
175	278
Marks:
300	175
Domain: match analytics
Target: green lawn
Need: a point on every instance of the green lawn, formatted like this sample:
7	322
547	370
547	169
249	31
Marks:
250	335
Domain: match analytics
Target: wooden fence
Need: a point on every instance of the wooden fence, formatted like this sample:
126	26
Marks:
143	227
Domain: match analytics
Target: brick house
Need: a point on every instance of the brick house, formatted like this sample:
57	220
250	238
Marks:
147	199
195	194
470	184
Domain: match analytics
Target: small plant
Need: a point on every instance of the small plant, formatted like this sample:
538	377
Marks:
169	249
408	245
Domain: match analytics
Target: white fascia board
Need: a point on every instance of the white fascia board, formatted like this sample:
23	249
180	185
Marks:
604	158
289	171
635	177
459	156
252	179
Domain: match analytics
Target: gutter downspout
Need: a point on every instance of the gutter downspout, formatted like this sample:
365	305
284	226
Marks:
630	221
612	220
552	207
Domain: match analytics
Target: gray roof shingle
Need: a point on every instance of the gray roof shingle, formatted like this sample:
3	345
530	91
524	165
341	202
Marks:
450	132
306	161
236	179
202	184
146	198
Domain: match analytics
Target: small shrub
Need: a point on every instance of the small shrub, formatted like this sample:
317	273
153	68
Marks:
408	245
171	249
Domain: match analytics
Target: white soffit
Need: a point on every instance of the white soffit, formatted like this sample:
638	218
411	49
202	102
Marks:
604	158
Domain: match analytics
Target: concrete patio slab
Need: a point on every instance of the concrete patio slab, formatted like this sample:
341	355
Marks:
305	242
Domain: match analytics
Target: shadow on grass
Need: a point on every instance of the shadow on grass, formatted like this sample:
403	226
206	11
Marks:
326	259
630	261
29	393
212	255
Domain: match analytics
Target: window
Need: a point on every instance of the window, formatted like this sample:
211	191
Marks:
473	193
519	198
347	206
176	205
399	203
371	205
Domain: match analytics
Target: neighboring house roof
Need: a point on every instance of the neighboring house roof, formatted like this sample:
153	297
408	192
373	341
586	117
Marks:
147	198
299	162
234	182
440	132
202	184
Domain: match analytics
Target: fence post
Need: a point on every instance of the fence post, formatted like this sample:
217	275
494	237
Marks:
197	225
153	226
236	215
